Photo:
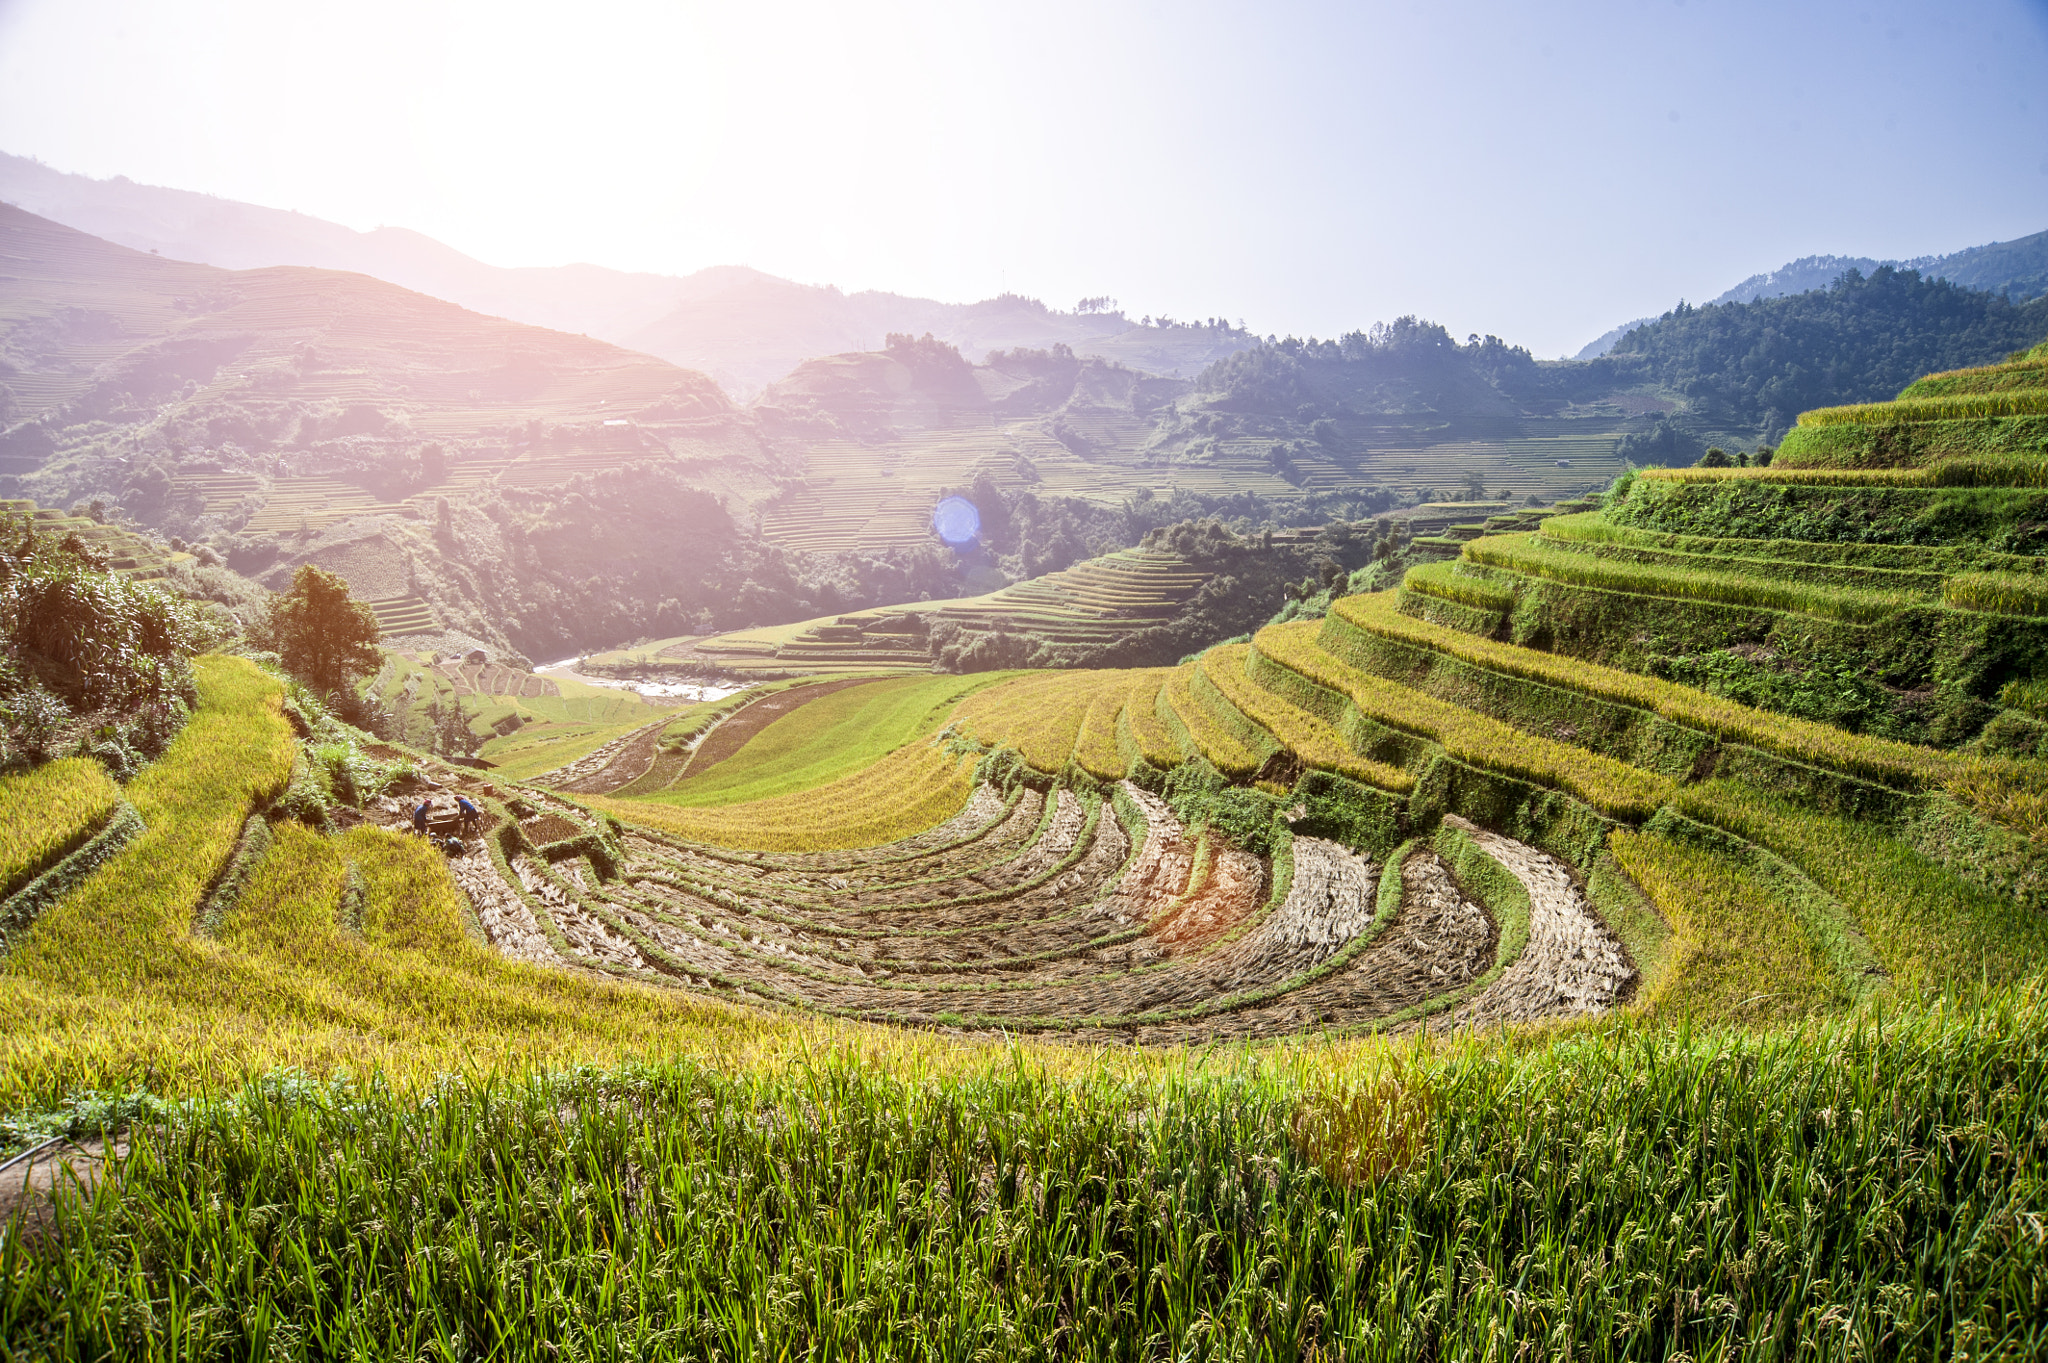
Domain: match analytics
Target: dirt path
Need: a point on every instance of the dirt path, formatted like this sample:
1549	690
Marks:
30	1186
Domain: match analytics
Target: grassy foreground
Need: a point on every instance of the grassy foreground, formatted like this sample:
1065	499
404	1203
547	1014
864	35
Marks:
1866	1187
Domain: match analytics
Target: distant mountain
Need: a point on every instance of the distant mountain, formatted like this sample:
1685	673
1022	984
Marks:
2017	269
744	328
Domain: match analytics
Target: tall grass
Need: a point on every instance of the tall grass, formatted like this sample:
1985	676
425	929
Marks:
1868	1186
1527	554
1954	407
1614	788
47	811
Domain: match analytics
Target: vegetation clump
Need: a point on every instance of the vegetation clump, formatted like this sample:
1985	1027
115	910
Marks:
89	659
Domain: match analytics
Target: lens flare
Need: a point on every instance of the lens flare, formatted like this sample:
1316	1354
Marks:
956	521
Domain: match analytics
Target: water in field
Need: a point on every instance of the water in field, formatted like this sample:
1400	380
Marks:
690	692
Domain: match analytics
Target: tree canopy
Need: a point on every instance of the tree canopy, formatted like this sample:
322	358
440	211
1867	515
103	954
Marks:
324	635
1758	365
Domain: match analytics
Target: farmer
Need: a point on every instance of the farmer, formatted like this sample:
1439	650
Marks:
470	813
419	817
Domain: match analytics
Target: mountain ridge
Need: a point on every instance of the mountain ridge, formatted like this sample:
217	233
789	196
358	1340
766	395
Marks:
2017	268
742	326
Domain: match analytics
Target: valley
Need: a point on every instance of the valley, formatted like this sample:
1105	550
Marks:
1321	838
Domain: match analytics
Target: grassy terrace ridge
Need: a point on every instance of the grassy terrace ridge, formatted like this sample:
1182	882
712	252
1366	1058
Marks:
1306	735
1527	554
1612	787
2018	470
1998	378
1801	740
1199	730
1924	562
2014	401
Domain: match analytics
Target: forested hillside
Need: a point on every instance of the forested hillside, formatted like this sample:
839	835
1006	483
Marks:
1755	366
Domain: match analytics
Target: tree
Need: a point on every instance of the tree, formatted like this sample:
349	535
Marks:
323	634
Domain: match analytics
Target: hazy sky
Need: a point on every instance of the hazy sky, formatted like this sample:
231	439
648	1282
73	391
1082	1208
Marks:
1538	171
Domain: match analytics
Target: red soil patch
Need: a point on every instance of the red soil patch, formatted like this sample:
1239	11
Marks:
1231	894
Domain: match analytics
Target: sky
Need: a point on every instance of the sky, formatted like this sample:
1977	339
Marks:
1540	172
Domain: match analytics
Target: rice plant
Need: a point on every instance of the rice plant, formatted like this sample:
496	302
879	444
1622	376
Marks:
1149	740
1310	739
1528	555
1955	407
1042	715
46	811
1199	731
1999	593
1467	589
1612	787
911	789
1623	1191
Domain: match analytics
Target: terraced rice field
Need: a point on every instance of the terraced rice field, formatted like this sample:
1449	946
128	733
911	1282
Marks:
404	615
1090	603
1409	842
1085	914
126	553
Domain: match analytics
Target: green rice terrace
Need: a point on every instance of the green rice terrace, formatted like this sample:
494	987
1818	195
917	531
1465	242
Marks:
1089	604
124	551
1624	938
